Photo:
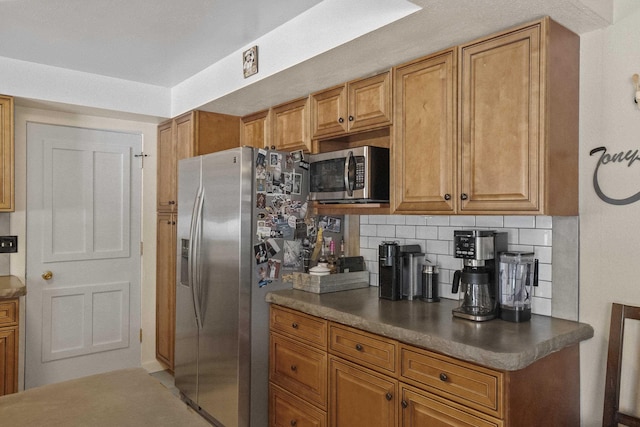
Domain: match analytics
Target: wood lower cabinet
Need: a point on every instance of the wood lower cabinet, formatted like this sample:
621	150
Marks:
512	99
6	154
9	318
378	381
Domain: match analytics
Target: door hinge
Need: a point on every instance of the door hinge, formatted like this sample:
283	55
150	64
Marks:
140	334
141	248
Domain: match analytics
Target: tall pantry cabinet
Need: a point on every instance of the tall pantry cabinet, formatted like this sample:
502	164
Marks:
190	134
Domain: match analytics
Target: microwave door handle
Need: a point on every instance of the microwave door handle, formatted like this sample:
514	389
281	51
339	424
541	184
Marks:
347	183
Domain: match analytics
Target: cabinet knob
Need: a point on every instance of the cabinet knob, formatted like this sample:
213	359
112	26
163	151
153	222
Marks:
351	118
404	404
294	368
359	347
388	396
443	376
293	423
464	196
294	325
447	196
172	202
340	120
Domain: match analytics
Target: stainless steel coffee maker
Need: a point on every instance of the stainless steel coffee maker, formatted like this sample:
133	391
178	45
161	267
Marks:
478	281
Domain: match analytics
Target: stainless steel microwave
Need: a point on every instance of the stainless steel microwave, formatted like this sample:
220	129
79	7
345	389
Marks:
354	175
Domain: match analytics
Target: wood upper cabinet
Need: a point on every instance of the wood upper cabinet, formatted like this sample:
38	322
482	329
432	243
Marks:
9	310
290	126
254	130
512	147
424	155
190	134
355	106
166	288
518	108
6	154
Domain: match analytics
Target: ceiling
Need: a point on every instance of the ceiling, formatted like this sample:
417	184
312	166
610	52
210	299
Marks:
176	45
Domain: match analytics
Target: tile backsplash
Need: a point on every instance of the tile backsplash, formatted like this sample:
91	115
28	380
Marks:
434	234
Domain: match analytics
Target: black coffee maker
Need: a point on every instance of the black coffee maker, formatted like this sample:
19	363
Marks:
478	281
397	266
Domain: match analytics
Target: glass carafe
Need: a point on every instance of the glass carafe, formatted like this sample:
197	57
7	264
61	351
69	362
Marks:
517	276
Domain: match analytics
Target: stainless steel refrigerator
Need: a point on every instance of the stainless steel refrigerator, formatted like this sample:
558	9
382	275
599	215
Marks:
240	226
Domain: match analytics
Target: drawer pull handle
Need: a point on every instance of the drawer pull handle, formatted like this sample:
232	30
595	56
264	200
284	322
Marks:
404	404
359	347
443	376
294	368
389	396
294	325
293	423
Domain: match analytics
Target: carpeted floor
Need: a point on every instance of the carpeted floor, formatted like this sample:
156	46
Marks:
128	397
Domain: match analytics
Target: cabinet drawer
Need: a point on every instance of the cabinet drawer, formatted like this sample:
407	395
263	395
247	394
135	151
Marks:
8	312
302	327
300	369
425	409
363	348
468	384
286	410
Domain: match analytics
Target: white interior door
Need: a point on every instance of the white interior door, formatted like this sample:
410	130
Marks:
83	230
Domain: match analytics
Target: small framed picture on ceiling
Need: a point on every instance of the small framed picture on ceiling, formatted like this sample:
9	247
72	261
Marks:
250	61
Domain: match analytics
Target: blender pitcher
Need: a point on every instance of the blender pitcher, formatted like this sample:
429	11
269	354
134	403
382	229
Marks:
518	273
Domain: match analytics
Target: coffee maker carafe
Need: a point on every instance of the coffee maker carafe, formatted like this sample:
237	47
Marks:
478	281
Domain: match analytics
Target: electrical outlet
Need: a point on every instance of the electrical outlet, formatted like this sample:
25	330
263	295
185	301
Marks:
8	244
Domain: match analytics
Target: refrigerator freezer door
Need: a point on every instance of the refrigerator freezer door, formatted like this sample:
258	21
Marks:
186	345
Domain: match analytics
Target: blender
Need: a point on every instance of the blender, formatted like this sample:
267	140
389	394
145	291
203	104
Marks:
478	280
518	273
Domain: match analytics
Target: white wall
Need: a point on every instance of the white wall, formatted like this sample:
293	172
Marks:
609	234
18	218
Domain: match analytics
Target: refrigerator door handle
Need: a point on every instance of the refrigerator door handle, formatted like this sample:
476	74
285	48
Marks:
195	231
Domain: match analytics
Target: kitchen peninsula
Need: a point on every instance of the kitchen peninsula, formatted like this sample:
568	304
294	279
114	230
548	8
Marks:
440	367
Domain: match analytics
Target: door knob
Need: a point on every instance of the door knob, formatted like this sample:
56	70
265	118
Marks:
47	275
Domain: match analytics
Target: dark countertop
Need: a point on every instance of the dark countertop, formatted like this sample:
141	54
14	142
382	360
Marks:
496	344
11	287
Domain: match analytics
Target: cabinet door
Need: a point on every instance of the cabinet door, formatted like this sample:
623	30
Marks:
7	154
8	360
329	112
166	288
286	410
370	103
360	397
290	126
500	107
425	135
424	409
185	136
254	130
167	195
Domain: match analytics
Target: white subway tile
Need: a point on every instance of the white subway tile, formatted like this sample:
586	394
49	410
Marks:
396	219
449	262
374	242
419	242
440	247
364	219
415	220
536	237
544	272
438	220
378	219
373	280
543	290
543	253
541	306
427	232
520	221
406	231
462	221
521	248
368	230
544	222
369	255
386	231
364	241
445	233
491	221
